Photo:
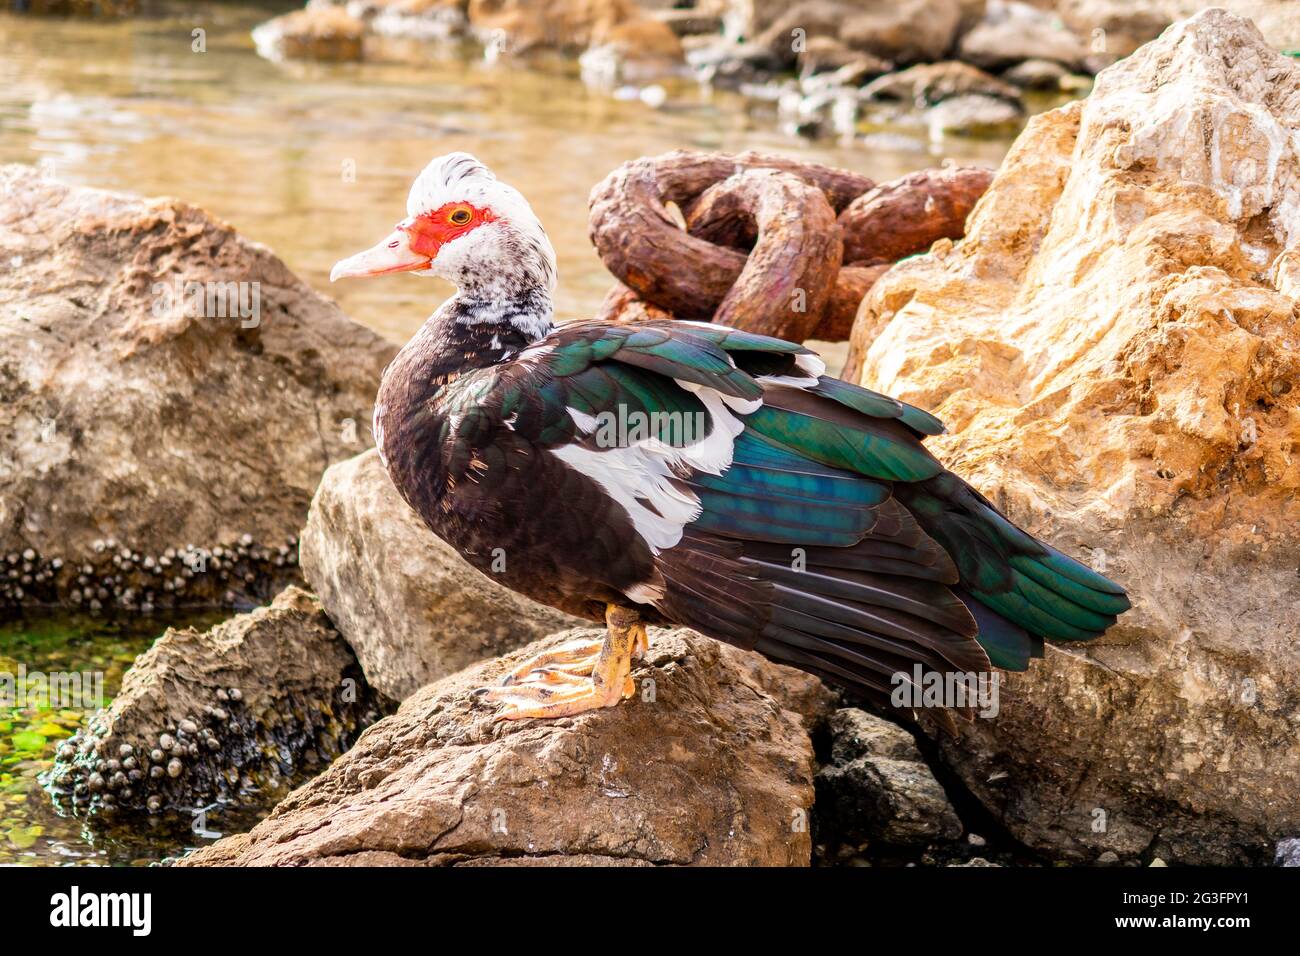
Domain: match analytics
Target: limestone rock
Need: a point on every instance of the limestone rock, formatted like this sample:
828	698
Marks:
411	608
877	787
1115	349
170	394
234	714
1126	24
700	767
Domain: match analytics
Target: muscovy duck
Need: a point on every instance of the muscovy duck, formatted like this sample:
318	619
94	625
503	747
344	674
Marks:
688	473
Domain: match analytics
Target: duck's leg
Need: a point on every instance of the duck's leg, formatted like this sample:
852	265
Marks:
559	683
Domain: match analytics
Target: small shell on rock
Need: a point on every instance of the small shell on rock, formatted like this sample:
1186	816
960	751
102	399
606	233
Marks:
174	768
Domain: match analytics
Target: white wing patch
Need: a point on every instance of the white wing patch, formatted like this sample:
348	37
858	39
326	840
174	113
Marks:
643	476
536	352
812	367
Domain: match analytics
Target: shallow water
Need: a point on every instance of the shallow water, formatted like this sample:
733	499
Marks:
129	106
267	147
34	722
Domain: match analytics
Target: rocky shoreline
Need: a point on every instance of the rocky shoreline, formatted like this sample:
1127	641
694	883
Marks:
841	68
1111	343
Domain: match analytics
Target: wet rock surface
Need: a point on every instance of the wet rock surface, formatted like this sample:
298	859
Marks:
877	788
234	716
412	609
1124	388
170	395
700	767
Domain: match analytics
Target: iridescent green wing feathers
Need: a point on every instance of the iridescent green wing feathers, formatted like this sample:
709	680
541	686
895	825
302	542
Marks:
820	464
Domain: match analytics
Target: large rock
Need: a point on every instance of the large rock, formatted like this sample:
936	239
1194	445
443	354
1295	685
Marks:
1115	349
317	32
878	789
409	605
171	394
903	32
1117	27
235	714
700	767
931	83
571	26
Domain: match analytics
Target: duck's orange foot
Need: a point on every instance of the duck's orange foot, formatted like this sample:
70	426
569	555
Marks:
575	677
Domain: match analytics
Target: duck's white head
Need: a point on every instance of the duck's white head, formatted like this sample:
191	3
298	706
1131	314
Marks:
466	226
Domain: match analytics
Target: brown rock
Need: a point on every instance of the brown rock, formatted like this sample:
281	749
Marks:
570	25
878	789
409	605
235	713
931	83
318	32
903	32
1114	347
701	767
165	383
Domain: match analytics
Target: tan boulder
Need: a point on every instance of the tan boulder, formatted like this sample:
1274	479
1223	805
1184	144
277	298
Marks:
317	32
571	26
1115	348
700	767
172	394
903	32
409	605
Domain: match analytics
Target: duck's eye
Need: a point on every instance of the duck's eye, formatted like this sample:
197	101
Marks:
459	217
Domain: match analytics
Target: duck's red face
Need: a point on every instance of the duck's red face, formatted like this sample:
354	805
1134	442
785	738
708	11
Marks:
416	241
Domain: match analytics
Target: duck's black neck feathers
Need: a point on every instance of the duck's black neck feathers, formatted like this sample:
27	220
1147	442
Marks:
470	331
